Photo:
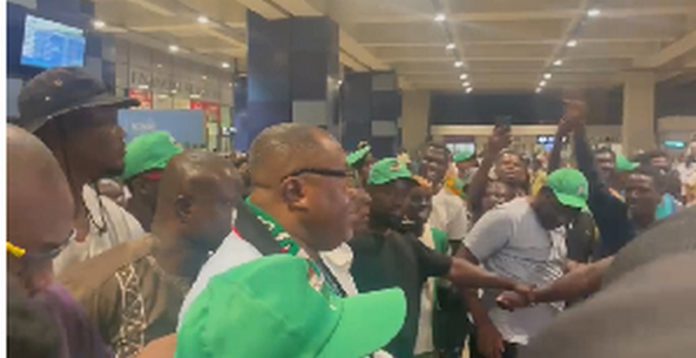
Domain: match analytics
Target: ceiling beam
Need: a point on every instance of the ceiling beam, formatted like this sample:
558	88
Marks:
264	8
526	15
675	50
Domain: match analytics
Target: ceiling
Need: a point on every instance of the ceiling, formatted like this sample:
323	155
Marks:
503	45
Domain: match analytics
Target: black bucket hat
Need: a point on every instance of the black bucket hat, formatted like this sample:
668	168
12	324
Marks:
60	91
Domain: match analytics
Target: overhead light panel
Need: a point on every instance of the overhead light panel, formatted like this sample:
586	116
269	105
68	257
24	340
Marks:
558	62
542	83
450	46
440	17
466	84
203	20
143	87
463	76
468	90
572	43
225	65
173	48
458	64
538	90
204	77
547	76
98	24
159	65
593	12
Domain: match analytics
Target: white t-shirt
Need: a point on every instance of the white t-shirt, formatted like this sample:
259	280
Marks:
509	241
120	226
450	215
339	261
234	251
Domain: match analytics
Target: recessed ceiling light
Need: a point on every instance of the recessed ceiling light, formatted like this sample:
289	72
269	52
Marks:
143	87
458	64
195	96
440	17
593	12
204	77
466	84
450	46
203	20
547	76
163	96
468	90
463	76
173	48
538	90
225	65
159	65
98	24
557	62
572	43
542	83
174	91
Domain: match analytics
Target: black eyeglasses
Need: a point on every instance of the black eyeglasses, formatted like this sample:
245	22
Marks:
334	173
22	253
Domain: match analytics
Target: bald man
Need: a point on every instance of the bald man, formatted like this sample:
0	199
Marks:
39	224
134	291
299	205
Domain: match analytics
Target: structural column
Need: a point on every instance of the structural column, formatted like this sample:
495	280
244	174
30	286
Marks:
414	121
638	130
371	111
292	74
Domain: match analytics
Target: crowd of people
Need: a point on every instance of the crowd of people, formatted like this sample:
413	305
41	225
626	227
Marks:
297	249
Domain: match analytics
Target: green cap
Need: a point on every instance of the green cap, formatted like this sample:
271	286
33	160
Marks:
388	170
151	151
357	156
269	308
570	187
463	156
624	165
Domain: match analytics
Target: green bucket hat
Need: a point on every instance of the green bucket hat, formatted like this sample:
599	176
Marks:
463	156
623	165
570	187
151	151
388	170
269	308
357	156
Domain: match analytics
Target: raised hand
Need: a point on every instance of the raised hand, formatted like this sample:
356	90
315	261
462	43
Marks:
499	140
575	111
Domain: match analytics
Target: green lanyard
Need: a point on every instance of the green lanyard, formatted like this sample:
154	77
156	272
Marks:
289	246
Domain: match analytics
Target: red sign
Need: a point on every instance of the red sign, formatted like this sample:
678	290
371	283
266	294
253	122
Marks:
144	96
211	110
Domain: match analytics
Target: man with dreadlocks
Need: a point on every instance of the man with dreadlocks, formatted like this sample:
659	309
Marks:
76	117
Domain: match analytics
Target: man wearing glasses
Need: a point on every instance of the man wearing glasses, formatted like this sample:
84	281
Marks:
39	226
300	205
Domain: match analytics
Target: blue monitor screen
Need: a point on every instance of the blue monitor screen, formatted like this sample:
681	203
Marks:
49	44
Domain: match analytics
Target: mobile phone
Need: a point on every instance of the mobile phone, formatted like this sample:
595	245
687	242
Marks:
503	122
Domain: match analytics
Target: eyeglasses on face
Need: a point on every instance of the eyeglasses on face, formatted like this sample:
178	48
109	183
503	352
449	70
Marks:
22	253
334	173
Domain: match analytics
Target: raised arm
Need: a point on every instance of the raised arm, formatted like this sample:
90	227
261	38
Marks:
498	141
562	132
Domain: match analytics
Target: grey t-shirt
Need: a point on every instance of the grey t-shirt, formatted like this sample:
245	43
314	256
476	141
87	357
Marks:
509	241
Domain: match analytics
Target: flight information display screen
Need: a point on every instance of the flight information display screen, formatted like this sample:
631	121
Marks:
49	44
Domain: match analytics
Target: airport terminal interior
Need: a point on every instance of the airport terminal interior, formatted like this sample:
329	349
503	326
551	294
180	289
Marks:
350	178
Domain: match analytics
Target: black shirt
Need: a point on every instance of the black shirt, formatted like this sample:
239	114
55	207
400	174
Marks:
394	260
610	213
